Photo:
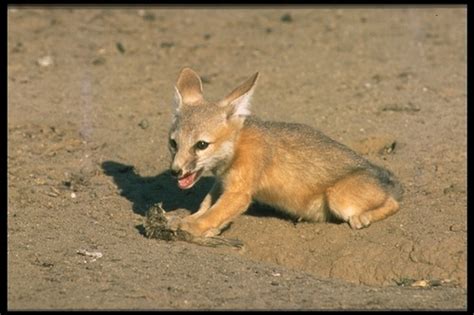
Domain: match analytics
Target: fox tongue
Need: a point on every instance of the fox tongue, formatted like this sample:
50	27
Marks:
186	181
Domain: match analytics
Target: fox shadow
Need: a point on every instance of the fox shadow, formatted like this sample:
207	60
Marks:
146	191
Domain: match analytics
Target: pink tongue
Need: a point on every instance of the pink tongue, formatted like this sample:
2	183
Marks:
187	181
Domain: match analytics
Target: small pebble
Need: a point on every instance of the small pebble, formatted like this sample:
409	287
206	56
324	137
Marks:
453	188
286	18
436	283
98	61
144	124
205	79
456	228
73	195
120	47
45	61
148	16
166	44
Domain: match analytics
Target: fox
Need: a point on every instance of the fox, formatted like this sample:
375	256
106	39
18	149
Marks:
291	167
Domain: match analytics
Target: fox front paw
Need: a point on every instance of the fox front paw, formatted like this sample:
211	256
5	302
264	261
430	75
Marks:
197	228
191	225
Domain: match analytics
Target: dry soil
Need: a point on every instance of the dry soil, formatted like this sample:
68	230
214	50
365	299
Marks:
90	95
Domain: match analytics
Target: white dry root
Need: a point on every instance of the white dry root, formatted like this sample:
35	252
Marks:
93	255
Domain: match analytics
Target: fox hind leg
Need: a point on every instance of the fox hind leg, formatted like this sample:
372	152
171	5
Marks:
359	200
389	207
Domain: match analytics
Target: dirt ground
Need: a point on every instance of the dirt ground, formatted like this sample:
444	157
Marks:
90	95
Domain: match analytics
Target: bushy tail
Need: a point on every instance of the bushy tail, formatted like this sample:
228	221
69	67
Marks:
389	182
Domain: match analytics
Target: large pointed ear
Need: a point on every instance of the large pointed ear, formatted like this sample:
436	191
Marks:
188	89
238	101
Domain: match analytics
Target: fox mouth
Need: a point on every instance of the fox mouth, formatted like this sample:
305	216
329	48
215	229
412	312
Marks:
189	179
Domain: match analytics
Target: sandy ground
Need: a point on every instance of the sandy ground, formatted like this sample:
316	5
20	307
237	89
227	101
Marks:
89	105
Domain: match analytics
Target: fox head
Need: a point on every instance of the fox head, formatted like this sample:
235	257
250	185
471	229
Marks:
203	134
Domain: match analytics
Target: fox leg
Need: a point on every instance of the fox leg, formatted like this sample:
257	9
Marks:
389	207
237	186
209	223
209	200
359	200
174	221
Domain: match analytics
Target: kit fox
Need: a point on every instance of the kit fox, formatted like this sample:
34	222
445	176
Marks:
289	166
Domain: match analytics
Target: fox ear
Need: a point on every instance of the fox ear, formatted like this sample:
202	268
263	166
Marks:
238	101
188	89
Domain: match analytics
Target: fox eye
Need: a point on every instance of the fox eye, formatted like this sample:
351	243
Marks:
201	145
173	144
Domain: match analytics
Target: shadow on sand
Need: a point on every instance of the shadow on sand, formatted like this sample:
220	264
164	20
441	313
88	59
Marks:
144	192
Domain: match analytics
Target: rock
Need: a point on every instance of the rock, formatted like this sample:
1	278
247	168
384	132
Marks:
120	47
453	188
144	124
98	61
45	61
286	18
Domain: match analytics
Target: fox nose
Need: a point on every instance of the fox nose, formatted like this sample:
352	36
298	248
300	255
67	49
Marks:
176	172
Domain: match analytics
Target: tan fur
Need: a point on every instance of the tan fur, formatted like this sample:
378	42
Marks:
291	167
